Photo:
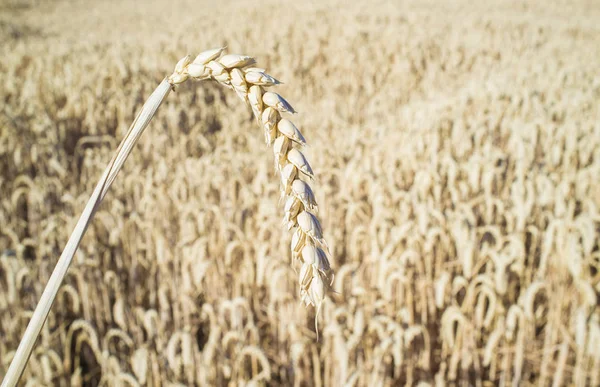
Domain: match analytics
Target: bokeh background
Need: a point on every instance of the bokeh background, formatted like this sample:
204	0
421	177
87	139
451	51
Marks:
457	153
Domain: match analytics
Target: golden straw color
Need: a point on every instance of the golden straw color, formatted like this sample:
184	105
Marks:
455	149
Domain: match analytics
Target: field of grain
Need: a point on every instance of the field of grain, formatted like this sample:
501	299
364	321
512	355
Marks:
456	148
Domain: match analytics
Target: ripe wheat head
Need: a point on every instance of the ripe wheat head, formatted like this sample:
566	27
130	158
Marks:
308	246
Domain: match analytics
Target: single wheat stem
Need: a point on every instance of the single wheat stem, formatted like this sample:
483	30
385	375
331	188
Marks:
250	84
308	245
42	309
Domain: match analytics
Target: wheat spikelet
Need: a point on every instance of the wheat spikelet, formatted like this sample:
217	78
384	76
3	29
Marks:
250	84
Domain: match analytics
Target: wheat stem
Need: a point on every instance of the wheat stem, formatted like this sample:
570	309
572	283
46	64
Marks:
19	361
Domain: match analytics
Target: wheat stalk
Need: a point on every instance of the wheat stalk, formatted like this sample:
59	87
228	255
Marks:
42	309
233	71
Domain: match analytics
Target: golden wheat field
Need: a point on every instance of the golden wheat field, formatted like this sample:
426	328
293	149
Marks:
456	148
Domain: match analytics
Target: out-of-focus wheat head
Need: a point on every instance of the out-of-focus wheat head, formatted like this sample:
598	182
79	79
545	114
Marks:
250	83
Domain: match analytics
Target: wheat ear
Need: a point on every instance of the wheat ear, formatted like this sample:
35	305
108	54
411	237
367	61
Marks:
308	246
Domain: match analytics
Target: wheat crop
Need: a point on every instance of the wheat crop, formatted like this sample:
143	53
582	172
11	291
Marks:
455	148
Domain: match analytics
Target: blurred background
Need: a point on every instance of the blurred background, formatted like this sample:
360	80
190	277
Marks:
457	153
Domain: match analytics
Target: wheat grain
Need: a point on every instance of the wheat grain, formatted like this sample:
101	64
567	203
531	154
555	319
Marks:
232	71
